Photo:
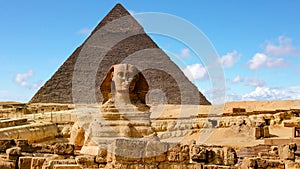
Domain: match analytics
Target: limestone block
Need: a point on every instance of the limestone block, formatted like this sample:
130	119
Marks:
13	153
57	160
166	165
63	149
24	162
6	143
37	162
266	132
292	165
252	163
24	145
128	150
4	164
155	152
230	156
156	148
66	166
215	156
269	164
198	153
66	131
194	166
43	148
248	163
178	153
86	161
287	151
258	132
77	135
101	158
90	150
274	150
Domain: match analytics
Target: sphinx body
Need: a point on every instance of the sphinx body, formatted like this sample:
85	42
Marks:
123	113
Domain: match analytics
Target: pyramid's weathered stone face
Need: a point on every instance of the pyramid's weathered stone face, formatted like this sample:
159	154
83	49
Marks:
138	49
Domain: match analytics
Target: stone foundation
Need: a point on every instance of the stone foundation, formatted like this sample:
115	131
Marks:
130	154
36	132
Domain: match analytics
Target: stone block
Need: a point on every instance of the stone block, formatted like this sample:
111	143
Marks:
248	163
13	153
4	164
128	150
24	145
77	135
269	164
266	132
57	160
37	162
292	165
258	133
198	153
230	156
6	143
86	161
24	162
42	148
66	166
287	151
101	158
63	149
178	153
156	151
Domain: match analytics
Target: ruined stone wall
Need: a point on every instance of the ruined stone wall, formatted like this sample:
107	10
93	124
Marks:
128	154
32	132
121	154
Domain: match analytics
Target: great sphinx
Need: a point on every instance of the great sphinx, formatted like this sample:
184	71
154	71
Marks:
123	113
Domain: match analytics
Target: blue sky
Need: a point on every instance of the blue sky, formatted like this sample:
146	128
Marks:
258	42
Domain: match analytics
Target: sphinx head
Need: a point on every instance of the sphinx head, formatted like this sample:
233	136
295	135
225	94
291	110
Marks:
124	78
124	81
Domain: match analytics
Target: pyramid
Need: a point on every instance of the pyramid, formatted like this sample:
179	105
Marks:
164	87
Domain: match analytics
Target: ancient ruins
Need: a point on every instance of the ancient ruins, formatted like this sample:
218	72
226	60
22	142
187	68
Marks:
127	128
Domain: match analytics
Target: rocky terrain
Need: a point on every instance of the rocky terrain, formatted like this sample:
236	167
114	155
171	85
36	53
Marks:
190	137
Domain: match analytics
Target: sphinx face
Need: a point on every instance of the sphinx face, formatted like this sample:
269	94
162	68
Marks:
124	78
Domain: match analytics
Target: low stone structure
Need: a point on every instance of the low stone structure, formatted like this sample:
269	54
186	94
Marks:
127	154
33	132
123	154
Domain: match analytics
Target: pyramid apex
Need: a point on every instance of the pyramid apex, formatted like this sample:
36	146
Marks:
120	9
115	13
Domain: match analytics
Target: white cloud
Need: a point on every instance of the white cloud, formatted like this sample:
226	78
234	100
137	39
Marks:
233	97
237	79
195	72
230	59
185	53
284	47
260	60
84	31
249	81
266	93
22	80
254	81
